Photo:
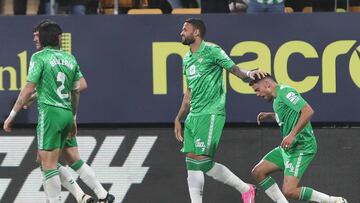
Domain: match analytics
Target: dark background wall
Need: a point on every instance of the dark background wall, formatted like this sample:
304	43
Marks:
145	165
133	63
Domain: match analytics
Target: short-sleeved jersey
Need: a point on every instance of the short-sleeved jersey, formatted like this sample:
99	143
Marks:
204	76
287	107
56	73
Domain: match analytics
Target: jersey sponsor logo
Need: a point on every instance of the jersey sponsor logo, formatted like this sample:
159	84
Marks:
290	166
200	144
292	97
21	182
192	72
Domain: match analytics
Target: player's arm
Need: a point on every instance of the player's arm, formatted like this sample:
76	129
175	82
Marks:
184	110
244	74
22	99
305	116
75	99
83	84
263	116
31	100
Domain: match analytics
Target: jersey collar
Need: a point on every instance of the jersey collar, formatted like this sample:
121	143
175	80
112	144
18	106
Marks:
201	48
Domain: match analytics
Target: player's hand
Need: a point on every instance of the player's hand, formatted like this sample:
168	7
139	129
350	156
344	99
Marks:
178	131
258	72
73	131
287	141
262	116
8	123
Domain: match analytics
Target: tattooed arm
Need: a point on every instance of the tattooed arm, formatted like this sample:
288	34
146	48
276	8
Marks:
22	99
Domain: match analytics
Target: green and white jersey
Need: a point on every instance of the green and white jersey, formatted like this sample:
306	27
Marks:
56	73
204	77
287	107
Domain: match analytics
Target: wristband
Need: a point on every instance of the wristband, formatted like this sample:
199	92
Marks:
248	73
12	114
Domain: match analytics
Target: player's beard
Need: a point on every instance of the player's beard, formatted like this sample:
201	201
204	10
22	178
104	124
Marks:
188	40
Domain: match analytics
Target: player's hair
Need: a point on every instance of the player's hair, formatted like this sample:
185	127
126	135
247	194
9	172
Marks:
198	24
49	32
258	79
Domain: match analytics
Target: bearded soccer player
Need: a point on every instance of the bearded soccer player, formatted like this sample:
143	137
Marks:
204	106
297	149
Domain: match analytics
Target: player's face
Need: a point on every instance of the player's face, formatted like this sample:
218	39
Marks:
36	40
262	89
187	34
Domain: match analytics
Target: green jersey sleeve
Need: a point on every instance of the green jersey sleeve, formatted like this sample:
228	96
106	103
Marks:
221	58
292	98
36	68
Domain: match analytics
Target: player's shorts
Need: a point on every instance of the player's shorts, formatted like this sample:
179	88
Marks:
293	164
202	134
53	127
71	142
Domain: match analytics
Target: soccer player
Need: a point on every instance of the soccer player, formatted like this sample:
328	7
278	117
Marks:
55	75
72	156
204	105
297	149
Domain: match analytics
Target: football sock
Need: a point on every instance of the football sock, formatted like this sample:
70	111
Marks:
195	181
52	185
69	183
272	190
309	194
87	175
221	173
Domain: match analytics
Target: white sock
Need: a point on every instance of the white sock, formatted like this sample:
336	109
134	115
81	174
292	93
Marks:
275	194
320	197
52	187
196	184
69	183
221	173
87	175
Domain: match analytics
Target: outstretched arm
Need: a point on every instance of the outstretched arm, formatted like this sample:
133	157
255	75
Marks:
244	74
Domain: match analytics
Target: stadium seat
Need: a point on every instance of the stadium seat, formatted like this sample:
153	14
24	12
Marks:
307	9
289	10
108	5
355	8
186	11
144	11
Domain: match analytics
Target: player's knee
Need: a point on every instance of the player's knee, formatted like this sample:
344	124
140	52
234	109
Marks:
289	192
257	173
203	165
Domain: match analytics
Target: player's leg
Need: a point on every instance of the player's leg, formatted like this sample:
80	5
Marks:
208	133
52	183
272	162
86	173
295	168
51	122
69	183
195	177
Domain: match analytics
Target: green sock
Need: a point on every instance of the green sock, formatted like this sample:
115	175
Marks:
305	193
266	183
